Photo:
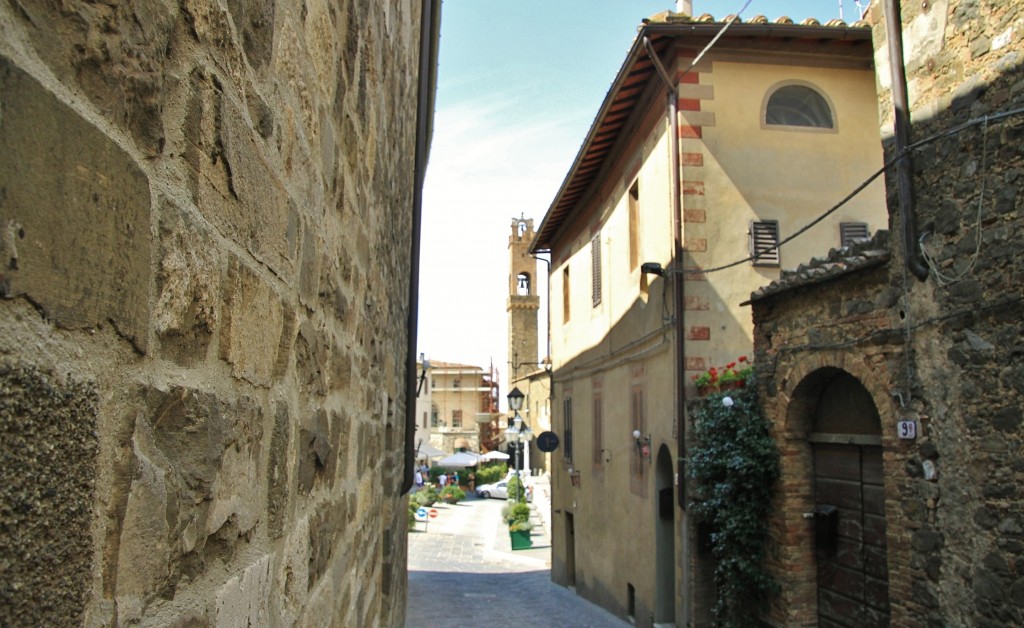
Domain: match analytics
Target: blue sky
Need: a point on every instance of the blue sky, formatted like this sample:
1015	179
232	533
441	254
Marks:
519	83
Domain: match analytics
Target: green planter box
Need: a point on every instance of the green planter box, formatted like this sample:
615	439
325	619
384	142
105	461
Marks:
520	539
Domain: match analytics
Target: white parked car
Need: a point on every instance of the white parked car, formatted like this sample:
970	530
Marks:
499	490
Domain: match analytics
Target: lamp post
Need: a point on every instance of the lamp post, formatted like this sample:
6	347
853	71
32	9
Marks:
518	432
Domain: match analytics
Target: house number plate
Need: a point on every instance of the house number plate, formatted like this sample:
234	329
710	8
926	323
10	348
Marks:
907	430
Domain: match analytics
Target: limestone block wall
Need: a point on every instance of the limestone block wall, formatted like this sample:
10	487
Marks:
205	225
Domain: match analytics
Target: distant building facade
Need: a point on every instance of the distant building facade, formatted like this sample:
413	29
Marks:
207	219
775	124
459	407
894	379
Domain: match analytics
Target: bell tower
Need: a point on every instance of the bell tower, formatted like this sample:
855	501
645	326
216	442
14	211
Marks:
523	301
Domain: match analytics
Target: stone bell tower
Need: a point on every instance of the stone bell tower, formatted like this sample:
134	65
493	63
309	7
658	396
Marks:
523	301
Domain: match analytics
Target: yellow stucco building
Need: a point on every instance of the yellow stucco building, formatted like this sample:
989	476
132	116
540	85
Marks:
649	238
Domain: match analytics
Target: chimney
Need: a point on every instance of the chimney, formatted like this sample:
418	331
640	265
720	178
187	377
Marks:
685	7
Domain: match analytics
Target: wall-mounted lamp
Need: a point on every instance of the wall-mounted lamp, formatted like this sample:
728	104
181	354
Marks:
654	268
643	444
423	374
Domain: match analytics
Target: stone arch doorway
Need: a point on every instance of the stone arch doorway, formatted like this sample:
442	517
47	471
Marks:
665	540
847	485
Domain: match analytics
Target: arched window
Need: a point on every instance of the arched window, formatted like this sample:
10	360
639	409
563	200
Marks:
798	105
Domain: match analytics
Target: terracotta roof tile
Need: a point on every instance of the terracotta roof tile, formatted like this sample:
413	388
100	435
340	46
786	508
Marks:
839	262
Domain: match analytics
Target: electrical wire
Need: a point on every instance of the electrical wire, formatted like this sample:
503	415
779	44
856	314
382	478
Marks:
941	278
885	167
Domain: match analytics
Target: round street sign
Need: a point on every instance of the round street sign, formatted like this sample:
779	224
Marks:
421	514
547	442
433	513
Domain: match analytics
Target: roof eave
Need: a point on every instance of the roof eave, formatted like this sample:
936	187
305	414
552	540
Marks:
548	233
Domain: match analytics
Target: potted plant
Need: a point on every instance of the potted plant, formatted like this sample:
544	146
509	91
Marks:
518	517
733	375
452	494
519	533
426	496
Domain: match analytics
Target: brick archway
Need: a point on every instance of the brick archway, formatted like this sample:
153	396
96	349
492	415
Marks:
800	382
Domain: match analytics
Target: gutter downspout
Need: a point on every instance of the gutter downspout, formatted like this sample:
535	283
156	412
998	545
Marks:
678	287
430	29
901	129
550	367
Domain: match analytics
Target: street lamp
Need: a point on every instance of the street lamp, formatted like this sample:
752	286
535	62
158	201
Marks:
518	432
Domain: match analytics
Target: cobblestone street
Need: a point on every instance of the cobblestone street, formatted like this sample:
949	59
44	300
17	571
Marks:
463	572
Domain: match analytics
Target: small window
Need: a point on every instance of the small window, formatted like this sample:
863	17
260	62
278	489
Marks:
567	431
598	430
798	105
435	420
456	383
852	232
764	242
595	269
634	225
565	295
456	418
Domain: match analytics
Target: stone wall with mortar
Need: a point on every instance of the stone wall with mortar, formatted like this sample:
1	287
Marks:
965	61
945	352
205	223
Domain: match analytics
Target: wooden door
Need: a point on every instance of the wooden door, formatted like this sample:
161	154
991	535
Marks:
853	577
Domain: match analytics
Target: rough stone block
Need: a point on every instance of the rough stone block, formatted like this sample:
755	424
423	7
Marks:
233	184
114	53
189	288
244	601
192	494
80	207
277	472
47	484
254	322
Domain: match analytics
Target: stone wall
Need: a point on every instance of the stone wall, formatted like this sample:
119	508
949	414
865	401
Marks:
205	234
965	61
945	352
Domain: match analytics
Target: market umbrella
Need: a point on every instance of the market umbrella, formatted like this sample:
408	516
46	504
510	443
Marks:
426	450
458	459
494	455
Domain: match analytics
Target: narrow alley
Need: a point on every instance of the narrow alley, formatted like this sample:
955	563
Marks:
463	572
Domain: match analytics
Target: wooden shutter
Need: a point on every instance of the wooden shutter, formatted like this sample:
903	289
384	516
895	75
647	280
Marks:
850	232
595	269
764	242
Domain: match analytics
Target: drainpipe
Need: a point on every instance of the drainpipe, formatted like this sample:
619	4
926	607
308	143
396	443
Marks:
901	128
678	285
430	28
678	301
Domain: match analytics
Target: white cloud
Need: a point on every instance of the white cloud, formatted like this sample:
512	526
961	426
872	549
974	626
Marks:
489	163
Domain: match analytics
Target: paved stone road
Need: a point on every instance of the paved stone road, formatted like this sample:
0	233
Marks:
463	572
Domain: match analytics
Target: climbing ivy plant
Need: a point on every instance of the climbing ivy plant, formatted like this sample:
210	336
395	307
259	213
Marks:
734	463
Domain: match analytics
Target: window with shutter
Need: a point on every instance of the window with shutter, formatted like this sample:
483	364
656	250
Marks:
850	232
565	295
595	269
634	225
764	242
567	429
598	431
